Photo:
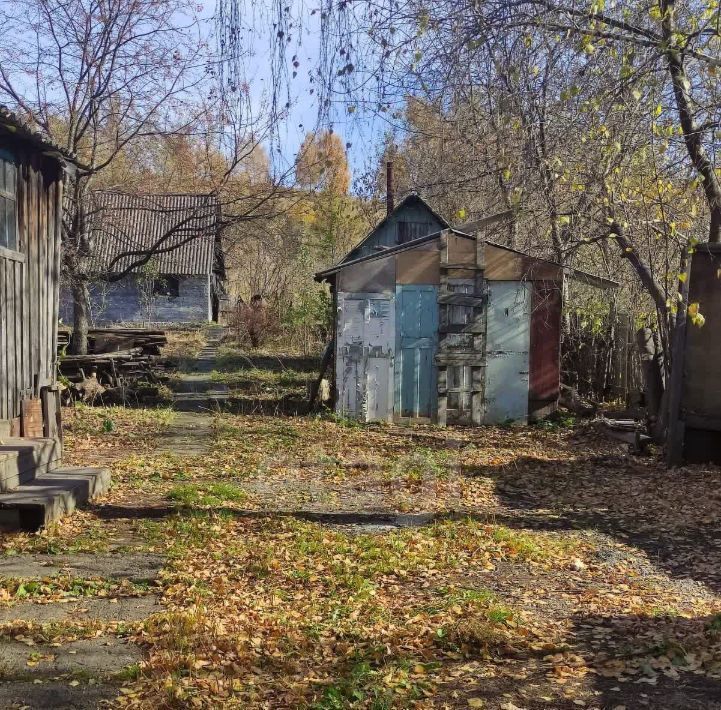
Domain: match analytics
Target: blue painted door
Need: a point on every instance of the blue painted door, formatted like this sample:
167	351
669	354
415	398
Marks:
507	351
416	344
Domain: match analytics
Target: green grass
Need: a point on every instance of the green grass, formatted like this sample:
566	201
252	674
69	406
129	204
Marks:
190	494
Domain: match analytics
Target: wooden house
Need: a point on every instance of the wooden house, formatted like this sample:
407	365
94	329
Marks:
445	325
182	283
33	487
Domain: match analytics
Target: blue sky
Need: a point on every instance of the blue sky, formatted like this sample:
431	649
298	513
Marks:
362	129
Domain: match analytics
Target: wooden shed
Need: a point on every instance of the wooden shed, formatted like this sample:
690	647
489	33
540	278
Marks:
31	194
445	326
695	432
33	489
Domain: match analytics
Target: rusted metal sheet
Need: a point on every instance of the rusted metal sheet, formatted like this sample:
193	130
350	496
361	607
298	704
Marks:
365	349
375	276
32	418
508	265
507	351
545	346
418	266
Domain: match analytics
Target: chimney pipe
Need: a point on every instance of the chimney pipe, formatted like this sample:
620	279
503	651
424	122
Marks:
389	188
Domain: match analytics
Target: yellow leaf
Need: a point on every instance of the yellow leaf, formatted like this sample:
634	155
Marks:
692	309
475	703
682	278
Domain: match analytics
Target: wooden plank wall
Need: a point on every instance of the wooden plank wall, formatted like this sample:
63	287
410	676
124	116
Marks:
29	280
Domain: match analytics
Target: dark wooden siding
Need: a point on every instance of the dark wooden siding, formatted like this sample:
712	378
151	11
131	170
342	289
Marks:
545	353
701	405
29	281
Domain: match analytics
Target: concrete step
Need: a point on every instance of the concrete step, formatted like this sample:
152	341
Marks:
22	459
197	383
51	495
200	401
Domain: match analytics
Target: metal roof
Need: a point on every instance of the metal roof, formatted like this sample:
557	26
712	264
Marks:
576	274
181	228
322	275
21	128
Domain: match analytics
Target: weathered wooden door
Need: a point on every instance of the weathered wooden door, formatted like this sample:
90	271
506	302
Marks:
365	353
507	351
416	346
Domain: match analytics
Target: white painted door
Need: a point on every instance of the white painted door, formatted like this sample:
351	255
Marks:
507	351
365	353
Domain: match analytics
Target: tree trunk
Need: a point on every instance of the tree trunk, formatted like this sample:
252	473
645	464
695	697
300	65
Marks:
81	317
652	376
693	133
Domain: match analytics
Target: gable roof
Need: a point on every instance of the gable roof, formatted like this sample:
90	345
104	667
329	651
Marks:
323	275
576	274
12	124
410	199
184	227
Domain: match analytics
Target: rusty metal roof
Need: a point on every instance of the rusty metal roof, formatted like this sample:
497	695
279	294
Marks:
182	229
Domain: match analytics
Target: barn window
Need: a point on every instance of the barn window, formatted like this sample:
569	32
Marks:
167	286
8	201
408	231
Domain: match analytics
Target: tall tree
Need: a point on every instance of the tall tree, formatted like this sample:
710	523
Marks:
103	77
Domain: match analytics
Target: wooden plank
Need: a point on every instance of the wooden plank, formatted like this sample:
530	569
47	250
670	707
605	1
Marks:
417	266
461	299
58	222
504	265
10	355
42	281
32	285
32	418
5	412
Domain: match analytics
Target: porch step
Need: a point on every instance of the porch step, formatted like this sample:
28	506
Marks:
21	459
50	495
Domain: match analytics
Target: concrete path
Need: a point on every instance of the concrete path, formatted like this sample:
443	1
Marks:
195	397
85	670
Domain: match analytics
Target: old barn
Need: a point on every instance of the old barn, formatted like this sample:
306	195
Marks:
445	325
183	282
33	487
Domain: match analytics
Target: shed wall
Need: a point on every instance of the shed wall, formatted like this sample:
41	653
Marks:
701	405
29	282
386	234
121	302
506	265
545	354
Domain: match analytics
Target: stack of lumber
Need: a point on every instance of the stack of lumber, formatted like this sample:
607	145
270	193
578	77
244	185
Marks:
117	358
107	340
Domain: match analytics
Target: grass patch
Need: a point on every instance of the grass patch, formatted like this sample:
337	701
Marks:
211	494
